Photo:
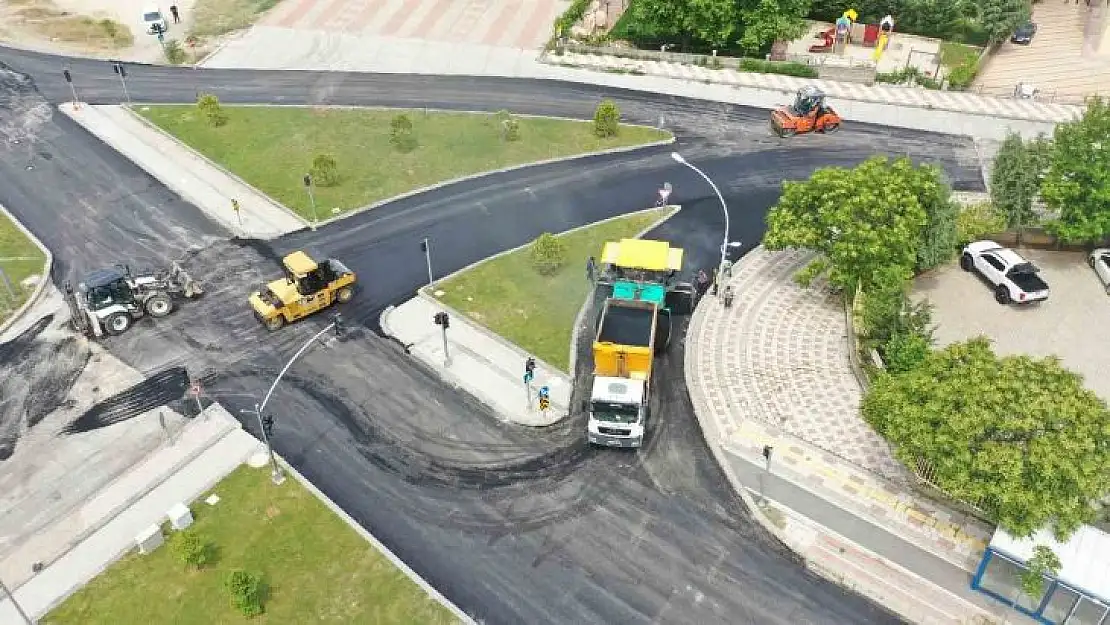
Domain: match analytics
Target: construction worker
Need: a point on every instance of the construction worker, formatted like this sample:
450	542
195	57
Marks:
728	296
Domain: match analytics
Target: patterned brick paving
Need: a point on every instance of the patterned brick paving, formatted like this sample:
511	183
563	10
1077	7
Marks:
521	24
780	355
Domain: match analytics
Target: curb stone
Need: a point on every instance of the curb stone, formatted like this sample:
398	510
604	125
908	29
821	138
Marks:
48	266
373	540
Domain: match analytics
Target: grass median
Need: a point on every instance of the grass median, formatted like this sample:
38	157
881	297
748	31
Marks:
20	259
272	148
536	312
314	568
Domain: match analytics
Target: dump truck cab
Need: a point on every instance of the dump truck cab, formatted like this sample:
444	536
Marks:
307	287
618	412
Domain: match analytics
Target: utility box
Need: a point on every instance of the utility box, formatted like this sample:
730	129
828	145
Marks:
150	539
180	516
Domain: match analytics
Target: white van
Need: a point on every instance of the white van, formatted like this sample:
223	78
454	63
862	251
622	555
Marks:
152	17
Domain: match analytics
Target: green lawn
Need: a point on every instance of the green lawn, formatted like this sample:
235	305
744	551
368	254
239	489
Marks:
19	259
273	147
317	569
533	311
954	54
212	18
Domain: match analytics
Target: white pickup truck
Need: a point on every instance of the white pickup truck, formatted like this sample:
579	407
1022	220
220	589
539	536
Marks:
1014	279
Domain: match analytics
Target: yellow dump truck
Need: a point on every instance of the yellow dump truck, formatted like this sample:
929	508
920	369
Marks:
632	326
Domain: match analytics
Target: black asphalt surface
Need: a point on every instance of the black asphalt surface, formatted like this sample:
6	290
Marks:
515	525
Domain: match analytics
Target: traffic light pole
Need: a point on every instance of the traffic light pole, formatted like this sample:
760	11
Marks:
278	476
446	355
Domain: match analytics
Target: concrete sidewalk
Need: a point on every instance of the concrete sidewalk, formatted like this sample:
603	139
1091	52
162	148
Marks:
187	173
773	371
482	364
206	462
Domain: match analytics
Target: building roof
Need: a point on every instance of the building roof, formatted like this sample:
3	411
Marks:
641	254
299	263
1084	558
617	390
644	292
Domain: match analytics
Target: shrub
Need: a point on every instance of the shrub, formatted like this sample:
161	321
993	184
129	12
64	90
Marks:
324	170
976	221
191	548
245	589
607	119
786	68
962	75
401	134
210	108
510	127
905	351
575	12
908	75
175	54
548	254
886	311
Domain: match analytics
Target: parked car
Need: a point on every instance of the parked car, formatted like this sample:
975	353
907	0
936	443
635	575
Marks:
1014	279
153	18
1099	260
1024	34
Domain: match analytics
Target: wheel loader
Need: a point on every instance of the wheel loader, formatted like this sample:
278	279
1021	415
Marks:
110	300
307	287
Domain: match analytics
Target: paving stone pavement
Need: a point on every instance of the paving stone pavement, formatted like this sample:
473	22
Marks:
780	355
886	94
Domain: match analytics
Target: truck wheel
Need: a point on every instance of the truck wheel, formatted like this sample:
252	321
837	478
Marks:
117	323
831	128
966	263
344	295
1002	295
159	305
273	324
1091	262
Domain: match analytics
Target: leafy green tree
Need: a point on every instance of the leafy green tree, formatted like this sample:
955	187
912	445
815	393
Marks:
768	21
861	221
1019	169
1044	562
324	170
978	220
1078	180
209	106
1001	17
1020	435
548	254
938	238
245	589
715	22
401	133
191	548
607	119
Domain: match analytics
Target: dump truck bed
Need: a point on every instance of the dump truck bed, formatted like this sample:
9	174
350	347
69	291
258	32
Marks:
624	346
625	325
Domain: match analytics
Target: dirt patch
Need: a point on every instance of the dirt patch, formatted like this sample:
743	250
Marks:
213	18
46	21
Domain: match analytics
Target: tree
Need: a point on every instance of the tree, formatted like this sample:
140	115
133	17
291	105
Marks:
401	133
245	589
548	254
191	548
1043	563
769	21
1019	169
607	119
1020	436
938	238
714	22
324	170
1000	18
1077	184
861	221
978	220
209	106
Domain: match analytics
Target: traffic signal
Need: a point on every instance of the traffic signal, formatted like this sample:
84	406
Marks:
529	369
119	69
767	452
441	319
268	425
67	75
338	321
307	180
424	245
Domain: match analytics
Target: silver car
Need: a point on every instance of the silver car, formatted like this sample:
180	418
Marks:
1099	260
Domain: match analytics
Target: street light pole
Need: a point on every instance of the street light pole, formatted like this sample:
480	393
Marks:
426	246
336	325
276	473
724	208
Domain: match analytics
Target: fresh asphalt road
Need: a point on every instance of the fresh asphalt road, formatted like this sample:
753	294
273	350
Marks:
514	525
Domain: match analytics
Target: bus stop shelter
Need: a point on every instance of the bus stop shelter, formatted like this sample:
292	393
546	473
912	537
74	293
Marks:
1078	595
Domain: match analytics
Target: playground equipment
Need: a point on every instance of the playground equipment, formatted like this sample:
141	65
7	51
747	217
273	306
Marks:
880	47
827	35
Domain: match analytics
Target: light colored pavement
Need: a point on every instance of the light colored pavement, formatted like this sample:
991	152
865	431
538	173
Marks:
1066	61
482	364
1071	324
206	451
773	370
187	173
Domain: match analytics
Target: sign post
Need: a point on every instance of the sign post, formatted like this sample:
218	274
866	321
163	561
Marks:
427	249
121	71
443	320
72	89
545	399
529	375
195	390
767	451
238	213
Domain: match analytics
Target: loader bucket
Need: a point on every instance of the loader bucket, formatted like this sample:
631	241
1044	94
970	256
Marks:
190	288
